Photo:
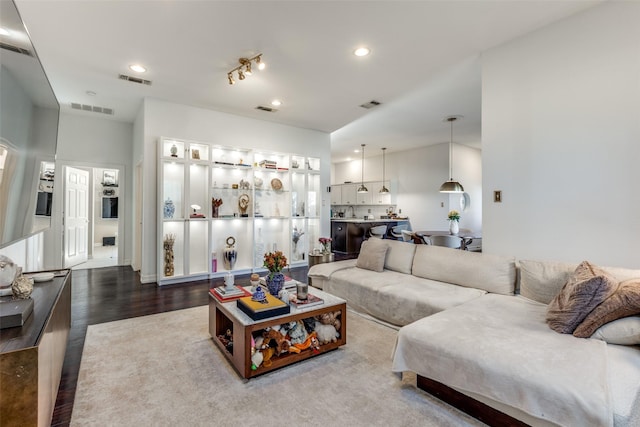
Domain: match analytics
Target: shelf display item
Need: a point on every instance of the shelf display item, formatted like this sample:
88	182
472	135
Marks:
174	151
276	184
243	204
169	209
169	240
215	207
230	253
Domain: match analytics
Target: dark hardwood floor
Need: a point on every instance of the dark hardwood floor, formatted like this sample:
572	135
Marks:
113	293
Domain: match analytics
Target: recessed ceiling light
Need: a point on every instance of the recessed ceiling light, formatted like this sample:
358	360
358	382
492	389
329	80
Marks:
276	103
362	51
137	68
4	32
356	151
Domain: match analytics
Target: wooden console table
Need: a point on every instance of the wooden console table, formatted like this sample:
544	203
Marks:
31	356
227	316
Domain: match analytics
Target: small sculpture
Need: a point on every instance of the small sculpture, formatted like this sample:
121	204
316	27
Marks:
259	295
22	287
243	204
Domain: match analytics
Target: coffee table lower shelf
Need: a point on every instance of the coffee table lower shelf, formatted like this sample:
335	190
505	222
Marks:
225	317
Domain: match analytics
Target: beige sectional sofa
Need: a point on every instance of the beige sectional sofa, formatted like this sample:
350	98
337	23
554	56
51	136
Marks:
477	324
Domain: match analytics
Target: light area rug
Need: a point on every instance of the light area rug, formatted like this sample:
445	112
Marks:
164	370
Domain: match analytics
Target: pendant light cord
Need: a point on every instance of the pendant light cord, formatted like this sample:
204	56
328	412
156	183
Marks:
451	150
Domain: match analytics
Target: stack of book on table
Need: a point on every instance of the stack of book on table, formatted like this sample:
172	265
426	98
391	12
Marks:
309	302
227	294
258	310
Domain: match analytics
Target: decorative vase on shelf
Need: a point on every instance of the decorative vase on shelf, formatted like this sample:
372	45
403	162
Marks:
454	227
174	151
169	209
275	281
230	254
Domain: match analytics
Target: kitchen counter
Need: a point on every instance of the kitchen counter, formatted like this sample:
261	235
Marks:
358	220
349	233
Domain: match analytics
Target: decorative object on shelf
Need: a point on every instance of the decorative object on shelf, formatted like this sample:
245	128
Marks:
169	240
22	287
215	207
8	273
243	204
451	186
169	208
195	213
296	238
234	186
454	217
258	182
295	164
384	189
244	69
174	151
229	281
244	185
276	184
108	192
195	154
362	188
326	244
275	262
230	255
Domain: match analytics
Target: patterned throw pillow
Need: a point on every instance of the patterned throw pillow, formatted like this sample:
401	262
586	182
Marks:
585	289
623	303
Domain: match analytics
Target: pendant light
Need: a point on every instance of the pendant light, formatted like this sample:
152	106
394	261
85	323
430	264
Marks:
362	188
451	186
384	189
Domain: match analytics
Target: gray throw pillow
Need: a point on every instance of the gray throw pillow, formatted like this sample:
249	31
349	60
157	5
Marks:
624	302
625	331
372	255
585	289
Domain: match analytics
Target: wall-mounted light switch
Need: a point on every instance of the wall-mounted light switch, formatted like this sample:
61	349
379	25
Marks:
497	196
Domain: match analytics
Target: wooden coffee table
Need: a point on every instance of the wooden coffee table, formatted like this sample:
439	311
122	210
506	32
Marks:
224	316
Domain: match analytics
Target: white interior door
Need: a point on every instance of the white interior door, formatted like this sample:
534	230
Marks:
76	216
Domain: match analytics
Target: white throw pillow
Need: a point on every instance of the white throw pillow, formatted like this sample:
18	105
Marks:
625	331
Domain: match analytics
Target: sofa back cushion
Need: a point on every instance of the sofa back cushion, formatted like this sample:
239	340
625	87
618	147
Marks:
400	256
491	273
372	255
542	280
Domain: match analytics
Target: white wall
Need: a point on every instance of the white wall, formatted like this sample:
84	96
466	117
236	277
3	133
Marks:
418	175
167	119
561	125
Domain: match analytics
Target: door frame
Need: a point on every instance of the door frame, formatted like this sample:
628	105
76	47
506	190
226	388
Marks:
57	214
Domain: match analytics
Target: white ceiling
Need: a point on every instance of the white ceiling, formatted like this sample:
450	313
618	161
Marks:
424	62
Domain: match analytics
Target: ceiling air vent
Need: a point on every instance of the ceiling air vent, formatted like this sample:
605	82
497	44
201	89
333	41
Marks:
370	104
92	108
16	49
134	79
263	108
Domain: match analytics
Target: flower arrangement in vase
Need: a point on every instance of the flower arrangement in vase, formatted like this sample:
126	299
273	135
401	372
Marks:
275	262
326	244
454	218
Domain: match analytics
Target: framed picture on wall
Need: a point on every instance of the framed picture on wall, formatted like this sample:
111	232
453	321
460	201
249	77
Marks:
195	154
109	178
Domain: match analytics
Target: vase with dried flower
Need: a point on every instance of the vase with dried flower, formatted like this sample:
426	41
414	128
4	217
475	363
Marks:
169	240
215	206
454	217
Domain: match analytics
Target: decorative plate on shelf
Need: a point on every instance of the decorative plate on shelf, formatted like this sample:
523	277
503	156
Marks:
276	184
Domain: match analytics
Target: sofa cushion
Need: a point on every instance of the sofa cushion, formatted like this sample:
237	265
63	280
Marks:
584	290
542	280
624	302
625	331
400	256
491	273
372	255
394	297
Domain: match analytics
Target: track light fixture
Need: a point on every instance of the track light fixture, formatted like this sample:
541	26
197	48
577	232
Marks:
245	69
